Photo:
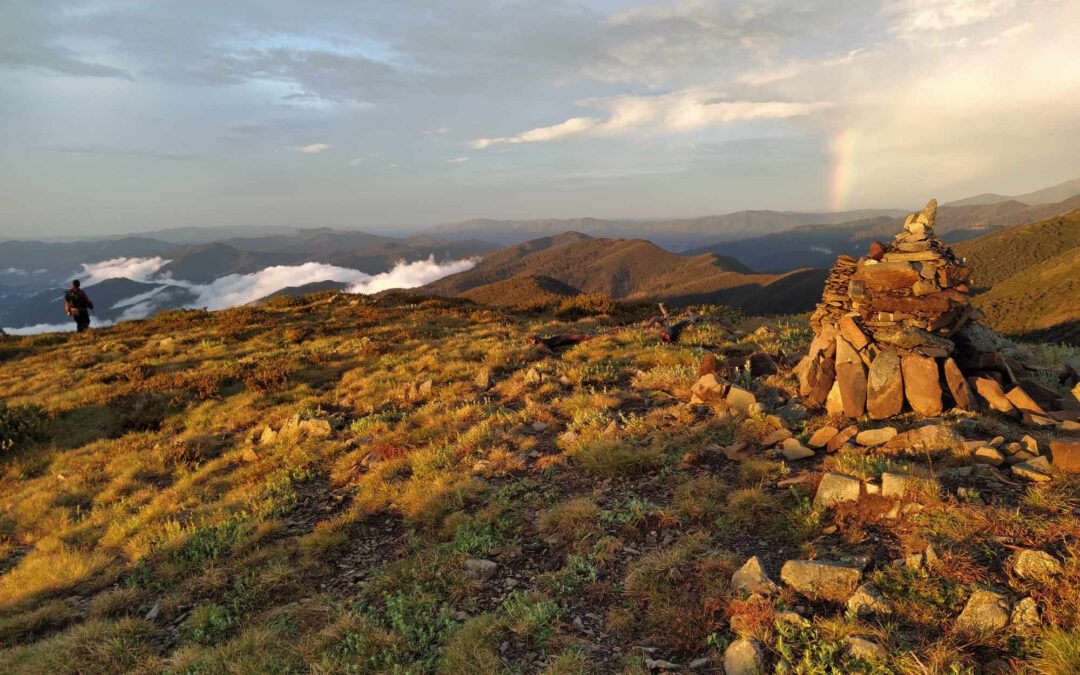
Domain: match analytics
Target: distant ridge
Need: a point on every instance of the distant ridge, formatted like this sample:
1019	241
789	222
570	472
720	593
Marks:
1054	193
626	269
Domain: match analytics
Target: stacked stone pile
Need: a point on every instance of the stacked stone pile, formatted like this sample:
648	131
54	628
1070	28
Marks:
897	326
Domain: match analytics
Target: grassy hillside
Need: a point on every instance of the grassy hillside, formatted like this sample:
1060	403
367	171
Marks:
1043	299
336	484
522	292
1000	255
1028	278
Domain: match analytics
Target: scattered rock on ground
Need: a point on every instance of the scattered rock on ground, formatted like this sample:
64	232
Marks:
751	578
479	569
984	611
822	436
1036	470
1033	565
842	438
872	437
744	657
894	485
1066	455
1025	614
988	455
868	601
864	649
794	450
835	488
818	579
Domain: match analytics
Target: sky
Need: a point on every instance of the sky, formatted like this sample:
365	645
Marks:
136	115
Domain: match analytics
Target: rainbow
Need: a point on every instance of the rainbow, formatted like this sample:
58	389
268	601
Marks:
842	149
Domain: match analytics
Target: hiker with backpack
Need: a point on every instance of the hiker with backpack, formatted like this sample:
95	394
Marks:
78	306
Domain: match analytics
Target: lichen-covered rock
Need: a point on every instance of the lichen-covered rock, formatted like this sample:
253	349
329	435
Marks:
868	601
1032	565
984	611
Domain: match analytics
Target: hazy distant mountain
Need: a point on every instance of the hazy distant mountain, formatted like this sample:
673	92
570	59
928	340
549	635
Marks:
674	234
1050	195
48	306
203	264
818	246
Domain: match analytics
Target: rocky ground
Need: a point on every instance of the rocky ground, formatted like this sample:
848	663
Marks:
336	484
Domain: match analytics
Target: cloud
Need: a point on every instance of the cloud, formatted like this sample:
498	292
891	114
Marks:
1008	35
136	269
796	68
678	111
821	249
357	161
410	275
14	271
311	149
457	160
920	16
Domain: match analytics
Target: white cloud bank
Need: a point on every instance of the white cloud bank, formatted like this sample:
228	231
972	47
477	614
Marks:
240	289
678	111
136	269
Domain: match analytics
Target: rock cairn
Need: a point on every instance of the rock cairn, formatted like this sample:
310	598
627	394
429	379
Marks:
898	326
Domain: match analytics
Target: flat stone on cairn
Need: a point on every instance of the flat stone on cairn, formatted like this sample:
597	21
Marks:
897	328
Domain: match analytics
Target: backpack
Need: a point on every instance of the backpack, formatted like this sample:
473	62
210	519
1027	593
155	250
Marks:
72	299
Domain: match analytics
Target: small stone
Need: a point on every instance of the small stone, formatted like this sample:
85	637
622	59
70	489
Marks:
988	455
751	578
861	648
737	452
1026	614
794	450
740	399
154	612
316	428
1019	456
483	379
991	391
835	488
815	578
872	437
249	455
776	437
996	441
1023	402
822	436
1030	444
1066	455
744	657
894	485
425	387
479	569
660	664
868	601
268	436
927	440
1032	565
1035	470
872	488
985	611
834	404
539	426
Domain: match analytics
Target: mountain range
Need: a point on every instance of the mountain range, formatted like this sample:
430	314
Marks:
779	270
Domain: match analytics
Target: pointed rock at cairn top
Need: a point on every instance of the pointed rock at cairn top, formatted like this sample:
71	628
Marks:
922	224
